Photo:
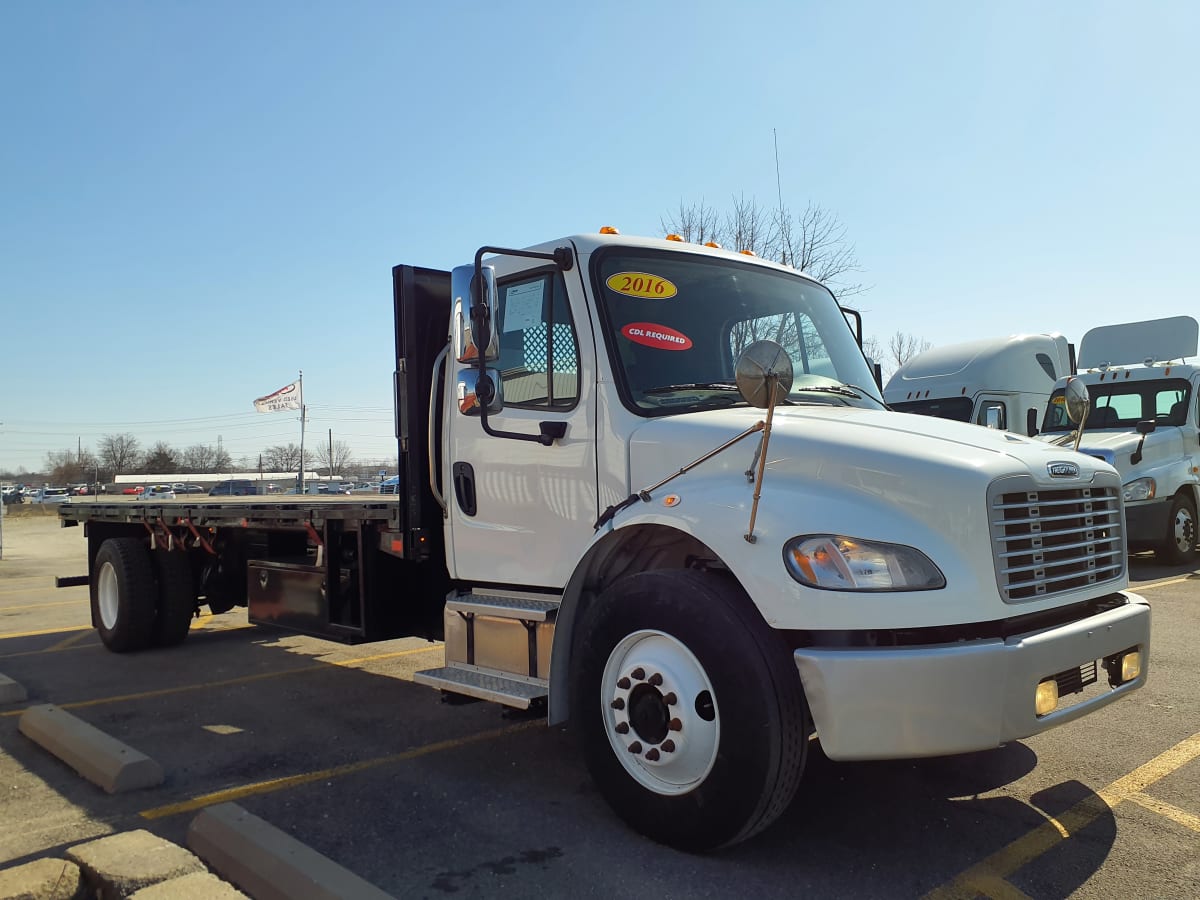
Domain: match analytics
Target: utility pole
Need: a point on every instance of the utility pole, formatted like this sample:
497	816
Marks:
330	454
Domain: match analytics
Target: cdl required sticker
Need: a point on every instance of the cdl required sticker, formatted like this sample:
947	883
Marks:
658	336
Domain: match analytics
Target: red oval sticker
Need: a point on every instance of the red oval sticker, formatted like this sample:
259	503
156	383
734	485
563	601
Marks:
658	336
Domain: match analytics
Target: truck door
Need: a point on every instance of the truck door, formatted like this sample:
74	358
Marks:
521	512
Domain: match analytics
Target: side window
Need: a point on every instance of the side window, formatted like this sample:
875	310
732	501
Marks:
539	353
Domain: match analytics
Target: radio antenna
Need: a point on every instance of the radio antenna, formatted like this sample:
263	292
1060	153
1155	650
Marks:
779	192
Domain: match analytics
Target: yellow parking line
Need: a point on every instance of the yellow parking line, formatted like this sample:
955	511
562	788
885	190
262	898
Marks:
279	784
68	642
40	605
1136	588
4	636
1167	810
1028	847
244	679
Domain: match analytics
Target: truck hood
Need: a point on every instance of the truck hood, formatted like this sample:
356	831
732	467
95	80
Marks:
1163	445
816	440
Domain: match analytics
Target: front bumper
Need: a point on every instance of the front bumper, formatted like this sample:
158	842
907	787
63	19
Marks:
892	703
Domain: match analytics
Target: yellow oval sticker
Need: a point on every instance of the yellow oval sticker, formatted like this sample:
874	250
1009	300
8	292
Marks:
639	284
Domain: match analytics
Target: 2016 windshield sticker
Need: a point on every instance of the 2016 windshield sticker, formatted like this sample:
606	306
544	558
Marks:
639	284
658	336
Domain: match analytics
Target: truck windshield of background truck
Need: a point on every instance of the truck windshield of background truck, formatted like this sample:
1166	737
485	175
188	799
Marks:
1124	404
956	408
677	322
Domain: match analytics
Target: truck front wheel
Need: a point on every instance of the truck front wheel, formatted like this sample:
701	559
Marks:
689	709
1179	543
123	595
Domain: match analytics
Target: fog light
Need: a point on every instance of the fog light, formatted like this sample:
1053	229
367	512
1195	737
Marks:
1131	665
1045	699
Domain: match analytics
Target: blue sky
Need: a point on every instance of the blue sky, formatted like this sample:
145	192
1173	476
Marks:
199	200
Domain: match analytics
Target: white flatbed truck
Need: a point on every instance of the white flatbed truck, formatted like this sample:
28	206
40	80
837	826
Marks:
650	487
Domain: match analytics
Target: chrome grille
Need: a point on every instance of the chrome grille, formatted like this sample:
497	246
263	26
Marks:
1048	541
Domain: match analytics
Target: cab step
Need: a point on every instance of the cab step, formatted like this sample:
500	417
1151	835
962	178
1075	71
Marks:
520	693
525	608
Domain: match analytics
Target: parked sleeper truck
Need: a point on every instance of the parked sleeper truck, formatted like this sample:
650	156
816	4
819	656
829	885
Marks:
998	382
1144	421
594	521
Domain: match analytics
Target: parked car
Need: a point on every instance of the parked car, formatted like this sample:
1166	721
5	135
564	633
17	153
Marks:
234	487
180	488
158	492
390	486
52	495
13	495
133	490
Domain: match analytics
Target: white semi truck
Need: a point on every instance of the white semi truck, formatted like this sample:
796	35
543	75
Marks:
650	487
999	382
1143	421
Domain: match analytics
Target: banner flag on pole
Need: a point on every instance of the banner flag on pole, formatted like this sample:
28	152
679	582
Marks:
285	398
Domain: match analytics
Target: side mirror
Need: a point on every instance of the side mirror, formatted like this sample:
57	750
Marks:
991	417
475	390
1031	428
474	316
1079	402
1146	426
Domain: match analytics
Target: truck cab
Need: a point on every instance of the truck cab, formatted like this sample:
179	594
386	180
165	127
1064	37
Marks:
1144	421
997	382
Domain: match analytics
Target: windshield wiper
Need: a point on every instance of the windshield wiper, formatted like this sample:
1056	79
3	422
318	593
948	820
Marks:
693	386
843	391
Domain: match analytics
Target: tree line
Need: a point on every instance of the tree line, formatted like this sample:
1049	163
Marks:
122	454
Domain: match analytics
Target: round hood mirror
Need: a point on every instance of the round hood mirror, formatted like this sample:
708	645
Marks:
1078	401
764	366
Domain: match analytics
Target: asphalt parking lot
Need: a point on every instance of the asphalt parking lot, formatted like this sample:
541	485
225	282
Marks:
335	745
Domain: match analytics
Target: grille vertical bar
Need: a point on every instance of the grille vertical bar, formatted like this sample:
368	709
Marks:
1050	541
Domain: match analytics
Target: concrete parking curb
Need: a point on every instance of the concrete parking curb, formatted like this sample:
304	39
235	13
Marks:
10	691
42	879
96	756
267	863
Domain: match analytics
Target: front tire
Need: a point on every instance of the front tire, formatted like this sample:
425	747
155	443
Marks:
689	709
1179	544
123	595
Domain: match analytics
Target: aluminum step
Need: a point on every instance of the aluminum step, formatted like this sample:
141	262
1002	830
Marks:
497	688
527	609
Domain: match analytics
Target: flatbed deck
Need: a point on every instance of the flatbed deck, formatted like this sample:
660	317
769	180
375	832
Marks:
211	512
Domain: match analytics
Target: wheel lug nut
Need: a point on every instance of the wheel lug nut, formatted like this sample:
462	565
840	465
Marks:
668	746
655	679
622	728
675	725
618	704
635	747
639	673
623	683
670	699
652	755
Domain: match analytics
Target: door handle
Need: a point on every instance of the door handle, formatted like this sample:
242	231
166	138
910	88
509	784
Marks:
464	487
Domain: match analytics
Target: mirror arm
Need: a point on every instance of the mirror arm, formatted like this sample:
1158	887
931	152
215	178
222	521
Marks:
562	257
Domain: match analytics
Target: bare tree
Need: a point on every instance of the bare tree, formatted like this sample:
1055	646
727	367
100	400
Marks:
904	347
336	457
119	452
814	242
71	466
197	459
284	457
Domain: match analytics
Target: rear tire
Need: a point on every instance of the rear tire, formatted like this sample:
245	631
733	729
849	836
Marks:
1178	546
123	595
176	597
689	709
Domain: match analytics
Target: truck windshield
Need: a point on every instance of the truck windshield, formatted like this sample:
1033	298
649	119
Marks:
957	408
1124	404
677	323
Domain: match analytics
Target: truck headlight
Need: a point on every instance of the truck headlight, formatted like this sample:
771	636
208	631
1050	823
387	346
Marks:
838	563
1139	489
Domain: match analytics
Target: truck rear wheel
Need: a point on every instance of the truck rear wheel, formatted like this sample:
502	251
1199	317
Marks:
689	709
123	595
1179	543
176	598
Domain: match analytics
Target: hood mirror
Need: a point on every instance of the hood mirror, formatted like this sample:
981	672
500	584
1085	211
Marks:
764	374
